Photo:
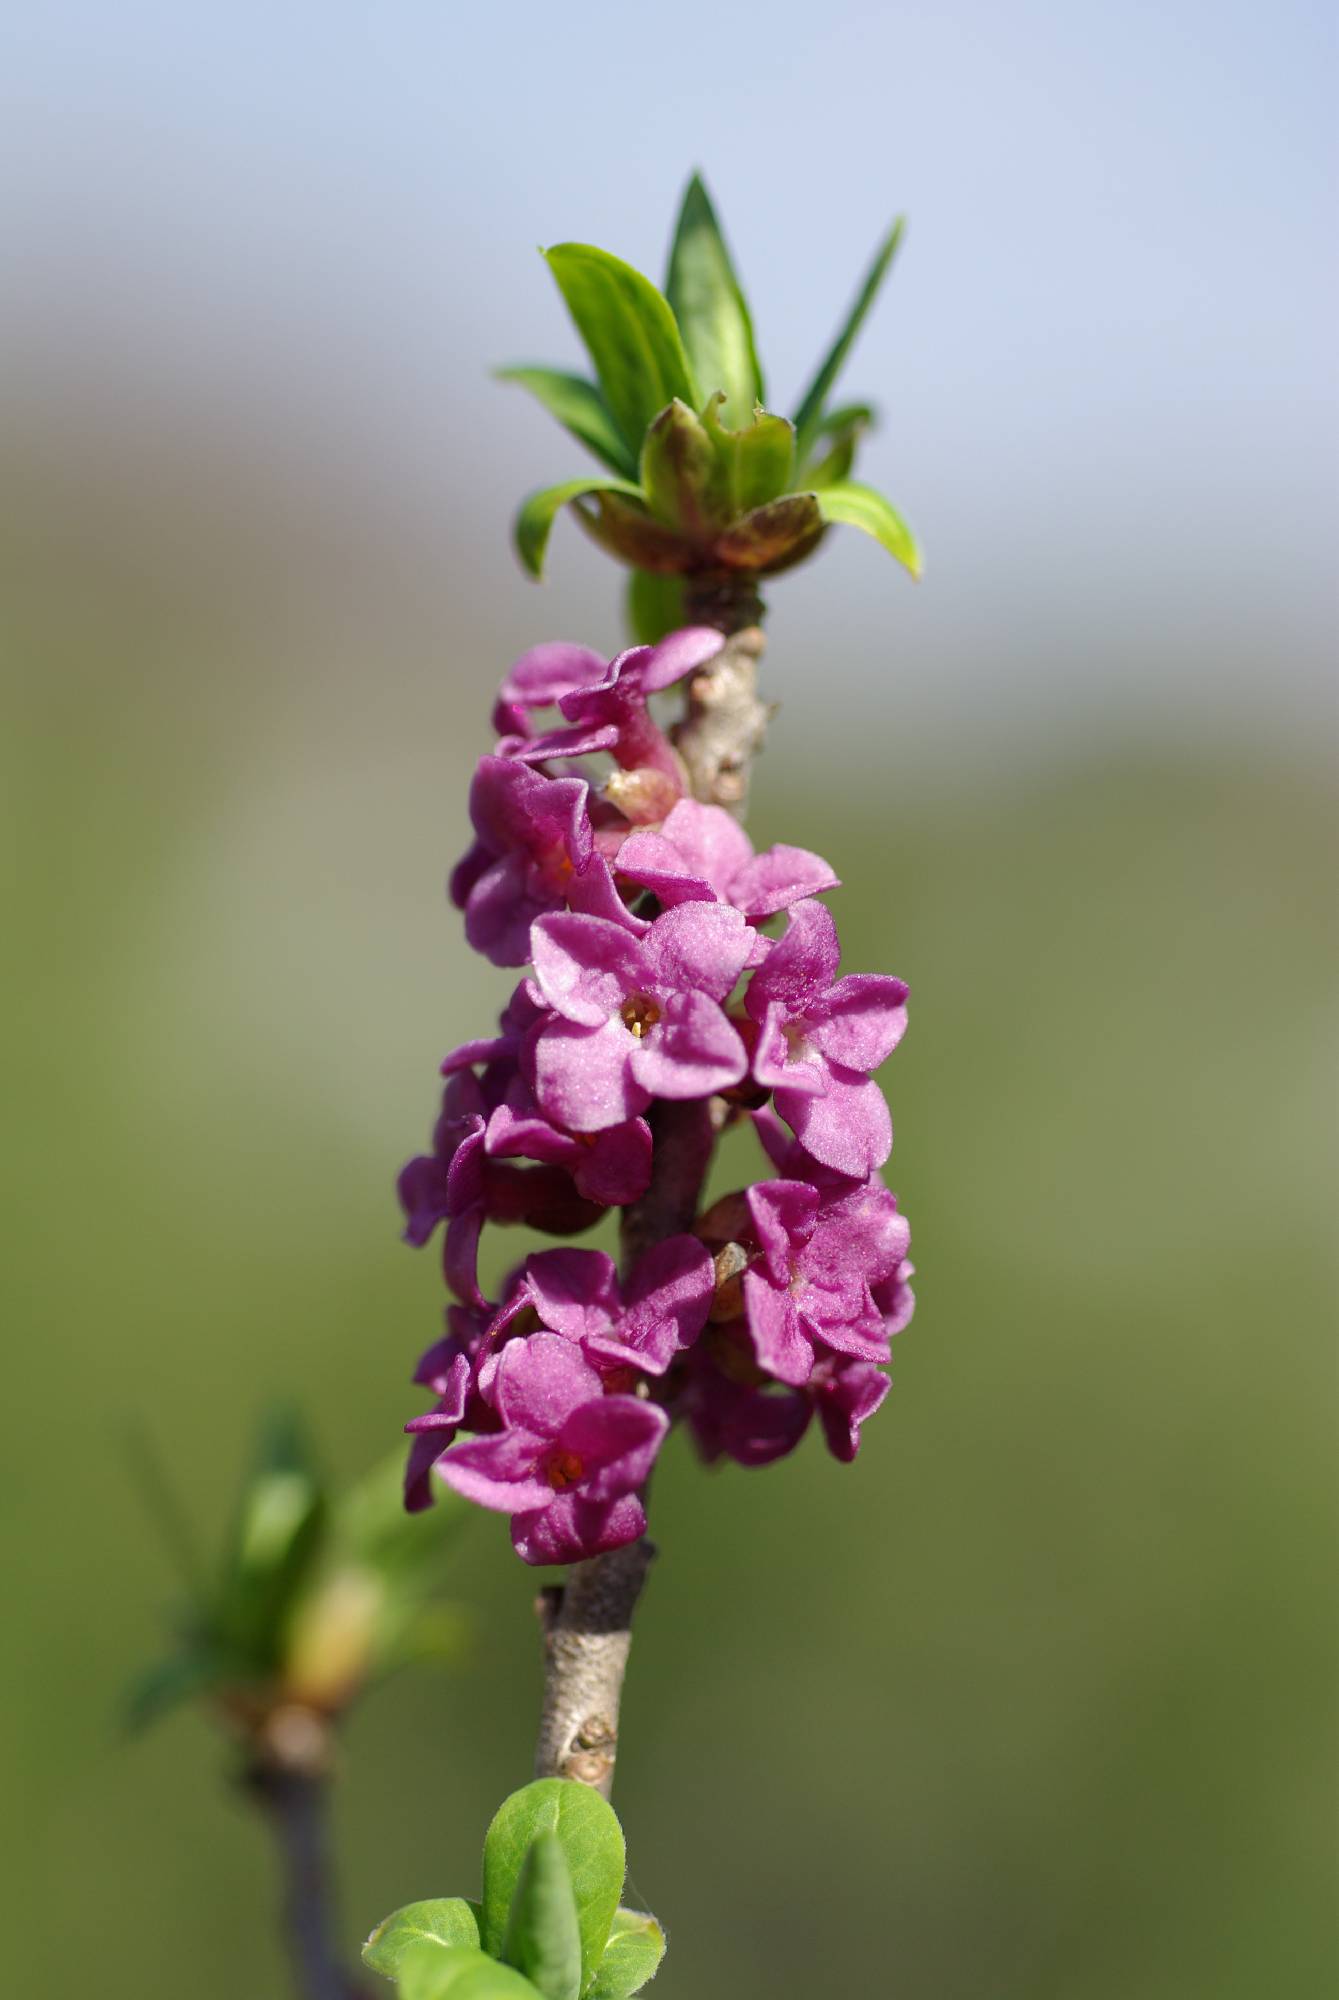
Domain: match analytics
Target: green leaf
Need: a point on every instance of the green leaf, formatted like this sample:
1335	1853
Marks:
773	537
580	408
631	1957
277	1536
542	1938
172	1681
630	333
592	1843
534	522
654	606
844	428
625	529
442	1921
427	1972
708	302
861	507
810	412
753	464
678	472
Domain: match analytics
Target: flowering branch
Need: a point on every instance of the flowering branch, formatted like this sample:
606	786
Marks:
659	1002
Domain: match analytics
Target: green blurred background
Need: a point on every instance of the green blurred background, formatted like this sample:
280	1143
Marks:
1038	1698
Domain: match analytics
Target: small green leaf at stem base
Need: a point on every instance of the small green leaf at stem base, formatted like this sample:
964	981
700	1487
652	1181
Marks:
534	522
631	1957
708	301
591	1839
630	334
542	1938
581	409
441	1921
861	507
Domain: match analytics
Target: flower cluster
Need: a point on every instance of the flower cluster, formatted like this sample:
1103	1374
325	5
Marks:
667	962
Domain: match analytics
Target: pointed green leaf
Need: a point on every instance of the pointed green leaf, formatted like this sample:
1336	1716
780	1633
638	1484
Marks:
173	1681
277	1535
754	464
861	507
534	522
810	412
631	1957
542	1938
580	408
708	302
426	1972
442	1920
592	1843
654	606
773	537
629	332
844	428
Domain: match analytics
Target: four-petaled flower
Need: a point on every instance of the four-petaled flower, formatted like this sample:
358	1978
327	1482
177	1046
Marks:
569	1462
637	1017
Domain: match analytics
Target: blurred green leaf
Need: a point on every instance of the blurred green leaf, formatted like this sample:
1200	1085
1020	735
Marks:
534	522
844	428
276	1539
631	1957
427	1972
441	1921
753	464
592	1843
163	1687
810	412
581	409
542	1938
369	1523
861	507
654	606
707	300
773	537
630	333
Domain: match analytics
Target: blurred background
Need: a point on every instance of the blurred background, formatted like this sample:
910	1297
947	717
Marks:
1038	1698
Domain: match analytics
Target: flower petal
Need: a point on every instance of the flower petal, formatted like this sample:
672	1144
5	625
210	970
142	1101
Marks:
571	1528
583	1077
692	1051
585	966
847	1128
540	1381
698	947
616	1439
499	1471
866	1019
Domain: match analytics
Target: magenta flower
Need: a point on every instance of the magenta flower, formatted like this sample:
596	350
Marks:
569	1461
539	679
818	1039
844	1393
644	1325
810	1288
636	1017
534	851
701	853
462	1183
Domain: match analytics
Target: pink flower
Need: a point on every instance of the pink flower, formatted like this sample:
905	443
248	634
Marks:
701	854
636	1017
569	1461
818	1039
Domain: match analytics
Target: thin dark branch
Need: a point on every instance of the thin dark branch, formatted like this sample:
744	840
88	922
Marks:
296	1803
